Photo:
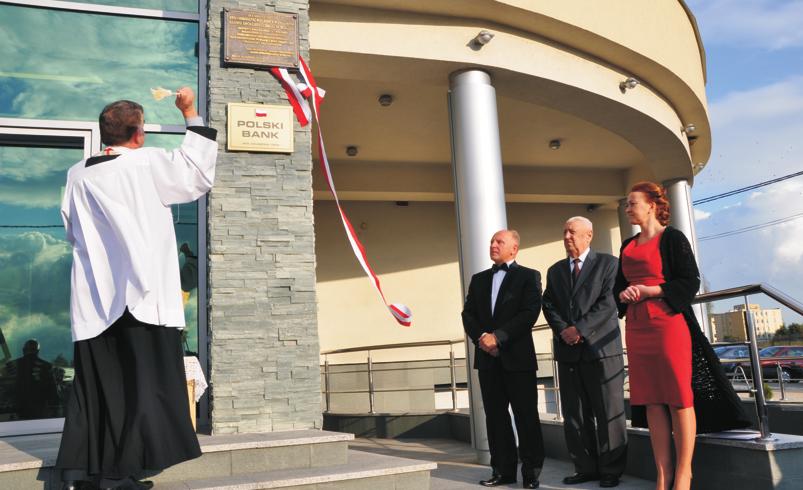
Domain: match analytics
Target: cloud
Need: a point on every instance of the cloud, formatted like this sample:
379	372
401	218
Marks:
35	291
700	215
760	105
755	137
769	24
86	61
770	255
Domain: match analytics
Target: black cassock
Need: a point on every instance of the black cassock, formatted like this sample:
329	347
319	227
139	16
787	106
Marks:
128	411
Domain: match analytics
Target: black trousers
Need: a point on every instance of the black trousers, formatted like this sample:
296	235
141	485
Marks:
594	422
517	389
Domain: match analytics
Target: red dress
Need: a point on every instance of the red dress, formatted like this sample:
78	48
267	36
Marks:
658	339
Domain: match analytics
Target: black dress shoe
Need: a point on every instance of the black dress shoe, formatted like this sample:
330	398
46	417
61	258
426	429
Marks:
130	484
497	480
579	478
78	485
530	484
609	481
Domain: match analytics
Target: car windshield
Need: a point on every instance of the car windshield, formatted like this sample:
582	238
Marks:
769	351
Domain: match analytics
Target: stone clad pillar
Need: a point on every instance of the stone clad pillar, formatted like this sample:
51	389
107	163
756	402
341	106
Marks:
264	353
479	201
682	218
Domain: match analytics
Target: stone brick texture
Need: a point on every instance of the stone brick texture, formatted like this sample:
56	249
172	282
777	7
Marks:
264	351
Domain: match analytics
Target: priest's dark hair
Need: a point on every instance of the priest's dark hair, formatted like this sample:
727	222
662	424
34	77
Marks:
119	121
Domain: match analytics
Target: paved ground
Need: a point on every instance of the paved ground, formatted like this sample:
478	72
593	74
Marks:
457	467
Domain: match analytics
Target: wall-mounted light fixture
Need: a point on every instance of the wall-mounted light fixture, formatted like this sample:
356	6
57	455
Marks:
689	129
554	145
385	100
352	151
483	38
630	83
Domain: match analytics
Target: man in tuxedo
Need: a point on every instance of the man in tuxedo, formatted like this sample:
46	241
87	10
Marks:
587	343
501	308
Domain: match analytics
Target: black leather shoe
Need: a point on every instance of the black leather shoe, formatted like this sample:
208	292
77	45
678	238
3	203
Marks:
497	480
579	478
78	485
131	484
609	481
530	484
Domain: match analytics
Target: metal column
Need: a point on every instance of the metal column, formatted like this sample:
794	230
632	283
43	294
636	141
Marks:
479	201
682	218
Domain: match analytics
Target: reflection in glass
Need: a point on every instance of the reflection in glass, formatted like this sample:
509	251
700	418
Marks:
171	5
68	65
35	343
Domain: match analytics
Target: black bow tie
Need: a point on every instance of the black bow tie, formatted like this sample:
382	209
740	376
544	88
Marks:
500	267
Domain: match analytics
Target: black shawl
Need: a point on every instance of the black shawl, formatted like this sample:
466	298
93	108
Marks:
716	404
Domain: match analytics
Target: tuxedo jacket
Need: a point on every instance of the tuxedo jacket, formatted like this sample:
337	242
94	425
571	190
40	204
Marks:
588	304
518	304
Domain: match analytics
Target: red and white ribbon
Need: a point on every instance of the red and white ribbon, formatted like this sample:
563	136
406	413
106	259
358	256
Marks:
298	94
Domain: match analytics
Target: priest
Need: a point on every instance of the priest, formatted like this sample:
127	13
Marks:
128	412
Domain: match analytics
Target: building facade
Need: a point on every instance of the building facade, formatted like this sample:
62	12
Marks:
731	326
578	101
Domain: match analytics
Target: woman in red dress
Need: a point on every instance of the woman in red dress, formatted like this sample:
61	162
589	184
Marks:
659	346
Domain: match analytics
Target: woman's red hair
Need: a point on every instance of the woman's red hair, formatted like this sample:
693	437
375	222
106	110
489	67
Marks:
656	194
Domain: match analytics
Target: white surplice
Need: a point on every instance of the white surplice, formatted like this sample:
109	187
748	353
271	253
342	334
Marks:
117	216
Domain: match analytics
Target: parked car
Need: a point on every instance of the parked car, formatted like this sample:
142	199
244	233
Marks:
791	369
734	356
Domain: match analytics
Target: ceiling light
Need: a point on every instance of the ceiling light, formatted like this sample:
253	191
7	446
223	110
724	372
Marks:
630	83
554	144
351	151
385	100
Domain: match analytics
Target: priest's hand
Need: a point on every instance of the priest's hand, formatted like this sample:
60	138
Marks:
185	101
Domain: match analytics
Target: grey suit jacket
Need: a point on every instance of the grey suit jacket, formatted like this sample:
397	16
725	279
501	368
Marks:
589	305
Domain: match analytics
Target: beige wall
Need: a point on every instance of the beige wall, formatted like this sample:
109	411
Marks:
413	249
570	56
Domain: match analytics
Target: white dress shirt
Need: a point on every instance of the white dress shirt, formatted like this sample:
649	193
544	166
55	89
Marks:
117	217
496	283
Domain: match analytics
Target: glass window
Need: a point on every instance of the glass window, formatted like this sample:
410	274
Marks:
171	5
68	65
35	341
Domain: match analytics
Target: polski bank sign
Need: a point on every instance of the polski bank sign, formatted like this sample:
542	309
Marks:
260	128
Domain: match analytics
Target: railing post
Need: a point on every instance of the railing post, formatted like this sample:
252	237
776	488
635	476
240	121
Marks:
370	384
758	381
556	388
780	380
453	376
326	384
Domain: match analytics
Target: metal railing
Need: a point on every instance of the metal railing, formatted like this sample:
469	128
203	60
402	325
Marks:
755	388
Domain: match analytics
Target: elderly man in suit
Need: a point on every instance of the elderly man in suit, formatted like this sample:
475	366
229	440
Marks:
502	305
587	343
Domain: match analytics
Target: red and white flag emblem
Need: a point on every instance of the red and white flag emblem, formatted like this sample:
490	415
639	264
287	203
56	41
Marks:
260	113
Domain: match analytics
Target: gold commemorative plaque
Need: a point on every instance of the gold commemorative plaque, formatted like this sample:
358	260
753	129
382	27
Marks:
260	39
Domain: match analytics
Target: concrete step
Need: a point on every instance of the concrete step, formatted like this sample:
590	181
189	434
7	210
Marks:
27	461
364	471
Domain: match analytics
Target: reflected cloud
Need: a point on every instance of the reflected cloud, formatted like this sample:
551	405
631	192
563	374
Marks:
86	61
34	292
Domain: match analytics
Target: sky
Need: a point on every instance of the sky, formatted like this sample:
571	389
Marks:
754	51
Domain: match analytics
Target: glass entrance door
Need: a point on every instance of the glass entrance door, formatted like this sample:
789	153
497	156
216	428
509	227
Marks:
36	351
